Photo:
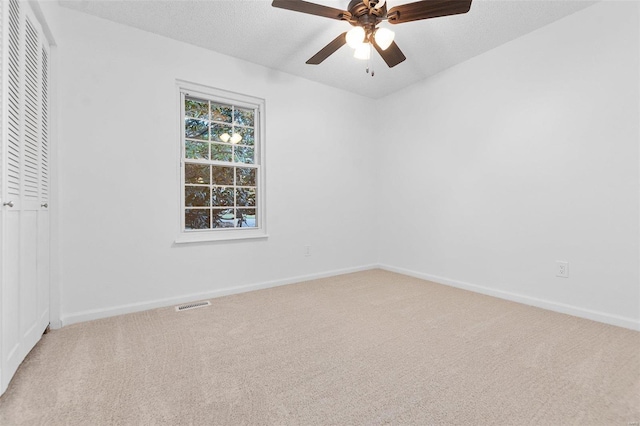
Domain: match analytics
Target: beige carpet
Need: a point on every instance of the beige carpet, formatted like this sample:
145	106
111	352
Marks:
366	348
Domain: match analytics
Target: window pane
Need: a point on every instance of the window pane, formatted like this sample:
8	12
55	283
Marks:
221	112
223	218
243	154
222	175
245	176
196	196
196	109
197	218
196	173
220	152
246	197
196	129
246	218
221	132
222	196
247	135
243	117
196	150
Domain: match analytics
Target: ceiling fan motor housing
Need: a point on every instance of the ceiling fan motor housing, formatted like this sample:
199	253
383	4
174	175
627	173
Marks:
359	8
365	15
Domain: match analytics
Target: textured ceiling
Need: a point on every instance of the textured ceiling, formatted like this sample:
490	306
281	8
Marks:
280	39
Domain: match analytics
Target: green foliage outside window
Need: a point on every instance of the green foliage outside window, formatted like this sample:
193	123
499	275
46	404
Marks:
219	144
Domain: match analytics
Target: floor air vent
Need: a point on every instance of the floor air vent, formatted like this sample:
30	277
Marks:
194	305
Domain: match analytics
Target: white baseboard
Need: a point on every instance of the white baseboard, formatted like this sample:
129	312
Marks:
55	324
606	318
160	303
525	300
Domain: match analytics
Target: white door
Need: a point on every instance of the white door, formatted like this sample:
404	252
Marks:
25	186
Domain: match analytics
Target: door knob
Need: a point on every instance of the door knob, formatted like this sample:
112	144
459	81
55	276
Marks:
45	205
8	203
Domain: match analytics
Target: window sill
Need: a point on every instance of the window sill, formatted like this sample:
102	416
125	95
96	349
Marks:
231	235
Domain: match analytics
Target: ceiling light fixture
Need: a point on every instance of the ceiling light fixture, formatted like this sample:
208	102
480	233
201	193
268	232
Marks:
384	37
355	37
225	137
367	14
363	51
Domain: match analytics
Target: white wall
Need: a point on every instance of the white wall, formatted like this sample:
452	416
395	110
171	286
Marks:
527	154
118	185
485	174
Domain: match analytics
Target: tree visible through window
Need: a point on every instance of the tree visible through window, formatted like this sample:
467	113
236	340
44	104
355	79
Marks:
220	164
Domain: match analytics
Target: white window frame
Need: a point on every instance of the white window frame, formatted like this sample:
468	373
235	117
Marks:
185	88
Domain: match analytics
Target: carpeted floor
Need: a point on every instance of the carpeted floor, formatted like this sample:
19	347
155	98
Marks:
366	348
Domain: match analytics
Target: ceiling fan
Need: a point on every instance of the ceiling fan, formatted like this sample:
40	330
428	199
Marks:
365	15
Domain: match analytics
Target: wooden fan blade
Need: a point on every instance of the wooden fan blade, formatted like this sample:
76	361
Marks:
427	9
312	9
330	48
392	55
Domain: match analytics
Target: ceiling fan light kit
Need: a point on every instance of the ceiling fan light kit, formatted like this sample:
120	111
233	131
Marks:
365	15
363	51
384	37
355	37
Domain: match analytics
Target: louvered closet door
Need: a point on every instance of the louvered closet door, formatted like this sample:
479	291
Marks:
25	180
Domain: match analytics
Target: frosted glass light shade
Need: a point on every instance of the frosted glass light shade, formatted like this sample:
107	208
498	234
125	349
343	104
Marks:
235	138
384	38
363	51
225	137
355	37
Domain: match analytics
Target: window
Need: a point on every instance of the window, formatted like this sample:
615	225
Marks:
222	165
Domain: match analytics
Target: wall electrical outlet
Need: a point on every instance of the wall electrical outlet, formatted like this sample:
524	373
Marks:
307	250
562	269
